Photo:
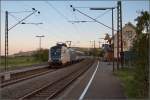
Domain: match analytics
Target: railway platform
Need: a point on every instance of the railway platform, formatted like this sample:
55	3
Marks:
32	67
97	83
22	70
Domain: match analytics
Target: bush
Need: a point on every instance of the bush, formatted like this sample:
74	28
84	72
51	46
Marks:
141	65
41	55
139	85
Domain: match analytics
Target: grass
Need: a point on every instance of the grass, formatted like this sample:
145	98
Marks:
15	62
127	78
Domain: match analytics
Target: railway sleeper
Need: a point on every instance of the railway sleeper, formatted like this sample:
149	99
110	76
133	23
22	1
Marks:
54	89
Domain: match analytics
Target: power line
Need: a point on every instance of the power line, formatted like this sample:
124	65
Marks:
34	11
103	14
91	18
74	26
91	21
99	15
62	15
16	18
47	31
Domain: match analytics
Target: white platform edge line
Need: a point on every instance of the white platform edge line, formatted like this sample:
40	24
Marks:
89	83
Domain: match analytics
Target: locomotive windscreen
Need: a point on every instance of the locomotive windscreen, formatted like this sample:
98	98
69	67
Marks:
56	52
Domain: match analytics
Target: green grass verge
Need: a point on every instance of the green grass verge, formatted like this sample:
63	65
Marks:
15	62
127	78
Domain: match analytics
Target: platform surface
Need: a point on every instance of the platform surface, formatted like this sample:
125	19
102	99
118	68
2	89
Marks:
97	83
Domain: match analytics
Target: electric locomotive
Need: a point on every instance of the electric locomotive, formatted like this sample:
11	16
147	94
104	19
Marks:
62	55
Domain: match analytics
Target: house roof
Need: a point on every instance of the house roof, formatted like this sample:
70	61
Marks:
128	24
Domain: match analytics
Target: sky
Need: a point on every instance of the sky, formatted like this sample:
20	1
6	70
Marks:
56	17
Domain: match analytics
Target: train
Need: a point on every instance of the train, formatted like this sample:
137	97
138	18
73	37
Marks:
60	54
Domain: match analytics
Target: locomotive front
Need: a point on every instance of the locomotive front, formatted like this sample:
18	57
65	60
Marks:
55	55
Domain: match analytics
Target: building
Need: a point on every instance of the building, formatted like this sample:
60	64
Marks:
108	52
128	35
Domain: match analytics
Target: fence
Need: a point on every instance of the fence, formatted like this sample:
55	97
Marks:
129	58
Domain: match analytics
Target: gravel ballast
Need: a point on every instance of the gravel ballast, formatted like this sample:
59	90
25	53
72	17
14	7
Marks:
20	89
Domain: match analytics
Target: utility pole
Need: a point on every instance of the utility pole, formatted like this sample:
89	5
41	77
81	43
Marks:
113	38
7	75
0	46
99	44
40	36
122	55
94	44
91	44
112	28
112	8
6	40
69	43
119	37
94	51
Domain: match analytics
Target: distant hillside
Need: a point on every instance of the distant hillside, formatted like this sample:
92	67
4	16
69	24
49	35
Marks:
26	53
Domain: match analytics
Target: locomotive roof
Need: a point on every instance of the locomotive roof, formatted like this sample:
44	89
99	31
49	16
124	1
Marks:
58	46
61	44
76	50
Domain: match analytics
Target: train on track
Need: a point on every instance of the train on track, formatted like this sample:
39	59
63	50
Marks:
62	55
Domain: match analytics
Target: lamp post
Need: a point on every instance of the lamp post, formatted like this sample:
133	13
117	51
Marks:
40	36
112	8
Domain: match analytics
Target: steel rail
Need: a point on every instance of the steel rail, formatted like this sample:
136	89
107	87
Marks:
49	90
24	78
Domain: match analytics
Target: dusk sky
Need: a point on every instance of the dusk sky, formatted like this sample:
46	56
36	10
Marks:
55	16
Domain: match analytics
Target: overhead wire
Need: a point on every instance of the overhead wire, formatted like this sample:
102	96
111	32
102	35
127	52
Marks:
103	14
58	12
93	18
75	18
45	30
76	28
16	18
62	15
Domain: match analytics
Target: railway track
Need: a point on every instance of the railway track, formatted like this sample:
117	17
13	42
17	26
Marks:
18	77
22	76
48	91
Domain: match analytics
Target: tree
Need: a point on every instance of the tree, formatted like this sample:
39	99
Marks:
107	37
143	22
140	48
